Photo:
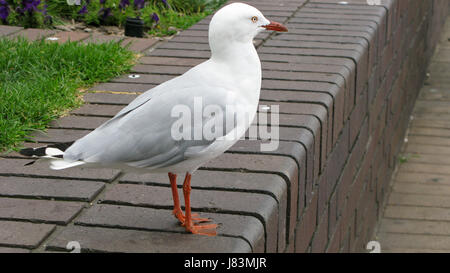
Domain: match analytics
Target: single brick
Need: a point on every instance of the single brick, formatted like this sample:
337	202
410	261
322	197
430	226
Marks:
78	122
110	87
72	36
22	235
149	219
102	38
24	187
42	211
138	44
7	30
33	34
119	240
109	98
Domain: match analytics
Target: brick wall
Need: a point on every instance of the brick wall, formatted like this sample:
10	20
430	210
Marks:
345	78
346	198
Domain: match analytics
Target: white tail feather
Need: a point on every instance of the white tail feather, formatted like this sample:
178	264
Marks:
53	152
60	164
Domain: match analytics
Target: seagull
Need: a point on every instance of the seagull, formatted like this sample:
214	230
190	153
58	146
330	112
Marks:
143	136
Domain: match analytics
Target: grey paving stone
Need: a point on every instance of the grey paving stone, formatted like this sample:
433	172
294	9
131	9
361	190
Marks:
57	189
7	30
95	239
150	219
22	236
41	211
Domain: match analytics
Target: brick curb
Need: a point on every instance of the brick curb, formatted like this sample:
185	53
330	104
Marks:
340	76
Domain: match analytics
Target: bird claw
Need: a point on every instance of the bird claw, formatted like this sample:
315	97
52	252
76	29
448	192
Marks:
180	216
209	230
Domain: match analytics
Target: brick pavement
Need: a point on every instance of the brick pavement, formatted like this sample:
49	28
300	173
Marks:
338	76
416	218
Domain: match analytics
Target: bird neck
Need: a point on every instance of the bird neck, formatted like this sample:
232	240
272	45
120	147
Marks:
234	52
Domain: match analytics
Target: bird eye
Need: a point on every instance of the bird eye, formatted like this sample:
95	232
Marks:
254	19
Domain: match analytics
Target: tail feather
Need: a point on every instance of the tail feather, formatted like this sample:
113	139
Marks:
52	152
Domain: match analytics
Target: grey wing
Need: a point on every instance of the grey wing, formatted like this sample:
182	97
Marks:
141	134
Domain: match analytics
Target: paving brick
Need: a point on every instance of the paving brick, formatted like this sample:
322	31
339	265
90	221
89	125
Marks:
7	30
428	158
33	34
13	250
439	132
72	36
423	178
262	206
415	227
418	242
58	135
109	98
138	44
105	111
41	211
149	219
96	239
122	87
22	235
78	122
417	213
177	61
160	69
180	53
403	196
101	38
56	189
144	79
427	149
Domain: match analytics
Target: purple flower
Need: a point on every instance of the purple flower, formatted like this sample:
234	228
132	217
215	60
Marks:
83	10
105	13
139	4
155	17
123	4
30	5
102	2
4	10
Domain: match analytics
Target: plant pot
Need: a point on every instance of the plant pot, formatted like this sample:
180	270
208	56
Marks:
134	27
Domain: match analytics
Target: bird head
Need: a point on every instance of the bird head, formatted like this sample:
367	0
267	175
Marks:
239	22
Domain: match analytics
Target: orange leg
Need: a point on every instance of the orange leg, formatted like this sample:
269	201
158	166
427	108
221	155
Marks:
176	200
176	203
190	226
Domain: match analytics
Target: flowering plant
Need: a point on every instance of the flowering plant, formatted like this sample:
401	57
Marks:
27	13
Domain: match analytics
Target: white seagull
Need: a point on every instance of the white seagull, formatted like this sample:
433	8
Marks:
140	137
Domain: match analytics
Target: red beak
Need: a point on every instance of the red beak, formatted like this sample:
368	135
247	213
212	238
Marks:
276	27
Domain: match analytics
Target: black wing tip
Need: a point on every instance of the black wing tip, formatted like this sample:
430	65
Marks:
27	151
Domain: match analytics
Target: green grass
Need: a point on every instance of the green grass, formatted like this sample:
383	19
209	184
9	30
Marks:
40	81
